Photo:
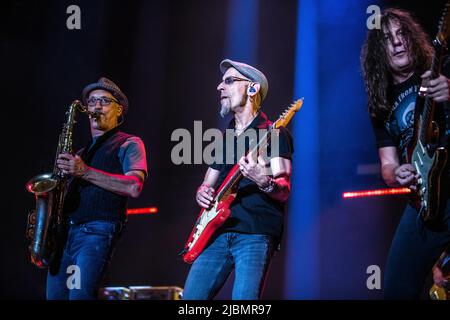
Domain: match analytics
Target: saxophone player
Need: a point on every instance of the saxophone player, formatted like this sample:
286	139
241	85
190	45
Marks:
108	170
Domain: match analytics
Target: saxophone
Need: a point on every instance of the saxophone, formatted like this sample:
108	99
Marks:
49	190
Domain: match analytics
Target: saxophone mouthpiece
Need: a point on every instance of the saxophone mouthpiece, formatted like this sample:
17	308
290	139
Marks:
84	109
94	114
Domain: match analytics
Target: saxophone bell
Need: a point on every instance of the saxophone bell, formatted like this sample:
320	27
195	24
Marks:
42	183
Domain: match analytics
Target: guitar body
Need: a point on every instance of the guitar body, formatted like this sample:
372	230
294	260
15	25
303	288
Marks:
431	168
209	221
430	162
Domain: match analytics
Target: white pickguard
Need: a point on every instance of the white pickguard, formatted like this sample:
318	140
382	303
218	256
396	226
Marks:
206	217
422	162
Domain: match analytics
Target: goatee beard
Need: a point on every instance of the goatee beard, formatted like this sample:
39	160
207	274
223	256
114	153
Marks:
224	111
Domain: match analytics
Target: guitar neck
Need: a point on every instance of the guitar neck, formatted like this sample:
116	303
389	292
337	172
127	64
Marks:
236	175
429	104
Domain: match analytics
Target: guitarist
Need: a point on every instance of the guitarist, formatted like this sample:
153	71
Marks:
247	240
396	59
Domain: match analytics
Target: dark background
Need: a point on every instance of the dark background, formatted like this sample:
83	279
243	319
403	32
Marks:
165	56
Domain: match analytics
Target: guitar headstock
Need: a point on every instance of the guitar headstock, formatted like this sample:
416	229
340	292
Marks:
287	115
444	25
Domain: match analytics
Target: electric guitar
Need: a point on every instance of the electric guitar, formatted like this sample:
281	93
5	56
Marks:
424	152
209	221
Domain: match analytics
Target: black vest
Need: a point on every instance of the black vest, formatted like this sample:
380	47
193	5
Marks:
86	201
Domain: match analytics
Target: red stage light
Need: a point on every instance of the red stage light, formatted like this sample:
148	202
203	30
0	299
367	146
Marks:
148	210
375	193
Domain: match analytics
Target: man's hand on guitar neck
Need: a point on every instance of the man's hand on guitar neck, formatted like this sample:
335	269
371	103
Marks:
438	89
254	171
278	187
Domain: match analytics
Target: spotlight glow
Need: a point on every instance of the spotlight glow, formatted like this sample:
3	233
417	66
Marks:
149	210
375	193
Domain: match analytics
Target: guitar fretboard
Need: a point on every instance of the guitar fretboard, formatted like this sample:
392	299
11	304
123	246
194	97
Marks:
237	175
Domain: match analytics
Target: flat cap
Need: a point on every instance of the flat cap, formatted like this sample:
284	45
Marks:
107	85
248	71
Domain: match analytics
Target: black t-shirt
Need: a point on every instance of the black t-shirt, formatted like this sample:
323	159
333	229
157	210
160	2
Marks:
253	211
397	130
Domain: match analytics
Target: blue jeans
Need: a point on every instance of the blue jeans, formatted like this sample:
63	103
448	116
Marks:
415	248
249	254
88	248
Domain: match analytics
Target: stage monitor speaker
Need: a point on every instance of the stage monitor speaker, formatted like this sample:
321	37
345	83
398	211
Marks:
141	293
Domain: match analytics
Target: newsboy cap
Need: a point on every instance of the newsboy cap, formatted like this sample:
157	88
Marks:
107	85
248	71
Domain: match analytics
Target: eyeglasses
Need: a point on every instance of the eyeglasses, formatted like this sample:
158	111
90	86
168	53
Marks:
104	101
230	80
